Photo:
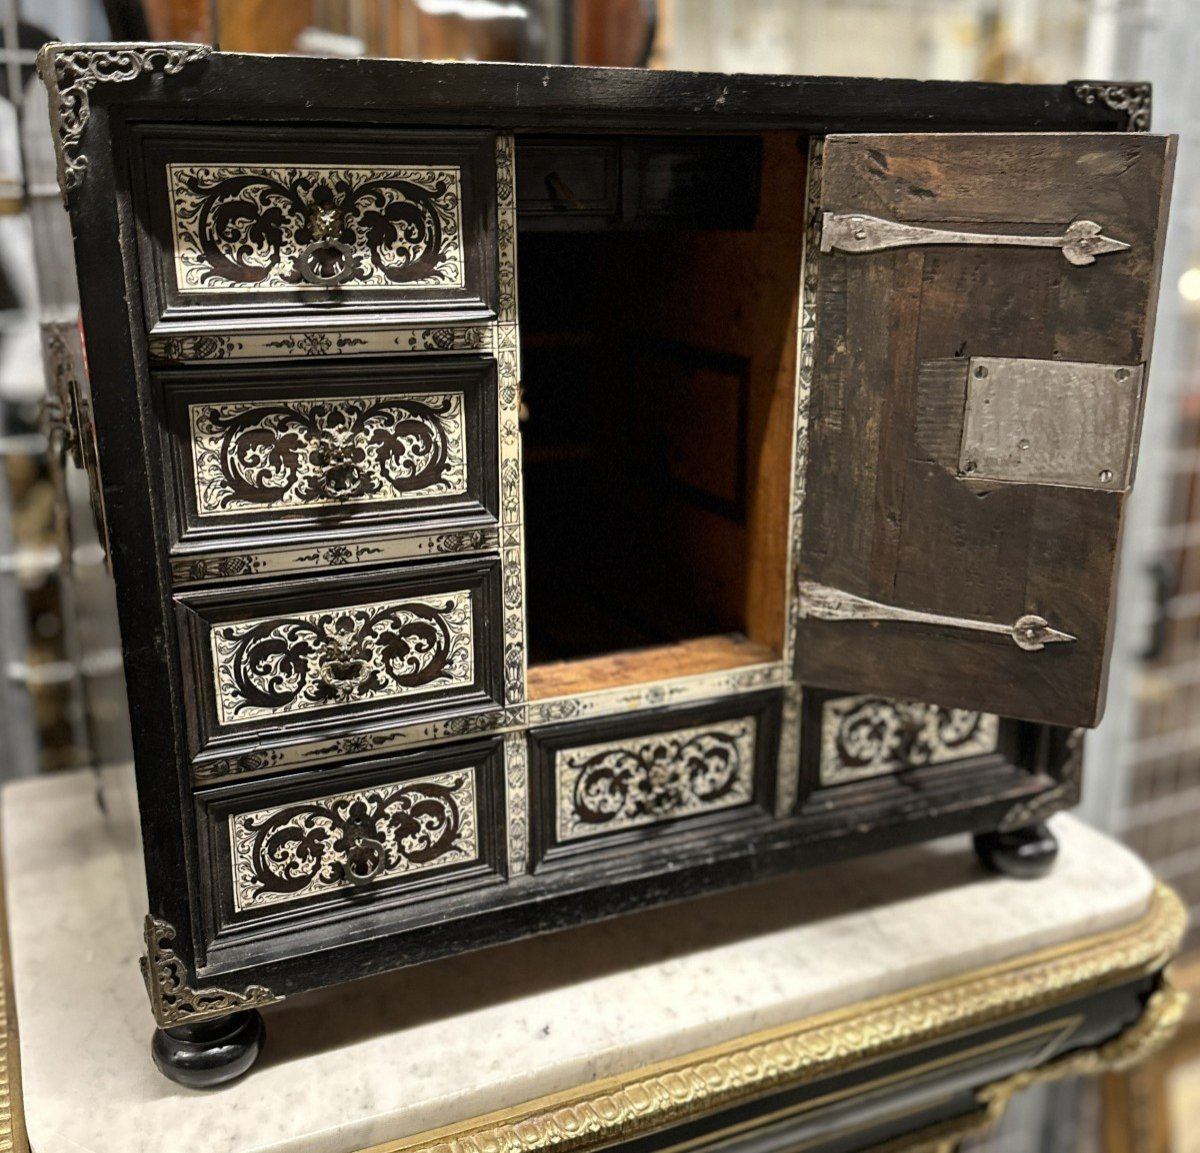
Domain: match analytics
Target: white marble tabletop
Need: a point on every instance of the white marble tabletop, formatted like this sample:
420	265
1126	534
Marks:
441	1043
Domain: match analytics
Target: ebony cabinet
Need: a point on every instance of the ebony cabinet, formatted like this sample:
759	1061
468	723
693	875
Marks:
777	521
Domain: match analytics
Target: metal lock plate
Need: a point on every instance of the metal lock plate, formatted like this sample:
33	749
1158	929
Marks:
1051	422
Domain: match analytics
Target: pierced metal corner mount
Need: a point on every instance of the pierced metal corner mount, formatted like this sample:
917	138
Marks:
71	71
174	1002
1132	99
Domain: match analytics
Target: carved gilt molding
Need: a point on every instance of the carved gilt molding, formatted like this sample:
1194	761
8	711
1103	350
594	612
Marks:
70	73
173	1000
1132	99
648	1099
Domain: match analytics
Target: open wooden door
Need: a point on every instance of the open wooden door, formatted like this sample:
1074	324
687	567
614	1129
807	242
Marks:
983	312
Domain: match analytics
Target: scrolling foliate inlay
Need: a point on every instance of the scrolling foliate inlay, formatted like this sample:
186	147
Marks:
292	852
173	1000
299	454
240	228
70	73
363	653
869	736
660	777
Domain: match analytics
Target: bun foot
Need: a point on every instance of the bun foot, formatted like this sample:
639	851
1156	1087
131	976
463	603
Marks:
209	1053
1023	853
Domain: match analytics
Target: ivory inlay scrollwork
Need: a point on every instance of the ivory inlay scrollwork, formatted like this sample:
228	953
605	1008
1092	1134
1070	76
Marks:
659	777
870	736
295	454
243	228
280	665
291	852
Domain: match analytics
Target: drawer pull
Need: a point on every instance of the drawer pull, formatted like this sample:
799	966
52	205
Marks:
364	858
320	255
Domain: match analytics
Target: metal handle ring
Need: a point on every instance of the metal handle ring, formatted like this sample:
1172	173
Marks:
344	262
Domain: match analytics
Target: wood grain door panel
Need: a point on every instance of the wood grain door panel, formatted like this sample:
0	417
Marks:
917	576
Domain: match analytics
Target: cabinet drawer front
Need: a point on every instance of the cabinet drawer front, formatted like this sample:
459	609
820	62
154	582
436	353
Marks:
253	223
409	641
272	451
626	780
865	736
331	839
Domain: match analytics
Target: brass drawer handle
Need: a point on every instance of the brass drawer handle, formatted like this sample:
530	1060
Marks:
364	859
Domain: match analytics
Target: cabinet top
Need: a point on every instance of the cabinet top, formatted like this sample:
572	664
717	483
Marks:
168	78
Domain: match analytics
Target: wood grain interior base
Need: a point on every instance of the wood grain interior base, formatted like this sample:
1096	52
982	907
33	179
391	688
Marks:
639	666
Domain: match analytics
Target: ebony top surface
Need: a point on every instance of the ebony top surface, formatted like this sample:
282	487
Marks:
236	86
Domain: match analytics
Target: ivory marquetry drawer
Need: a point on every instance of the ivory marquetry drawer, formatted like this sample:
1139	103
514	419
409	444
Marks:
259	453
536	494
399	643
249	223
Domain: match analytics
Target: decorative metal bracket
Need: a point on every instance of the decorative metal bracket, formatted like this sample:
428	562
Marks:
1132	99
1081	243
71	71
820	602
174	1002
61	413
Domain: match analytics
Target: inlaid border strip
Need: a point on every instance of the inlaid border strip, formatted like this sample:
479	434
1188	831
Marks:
507	351
275	344
232	565
787	784
386	737
657	694
625	1106
516	794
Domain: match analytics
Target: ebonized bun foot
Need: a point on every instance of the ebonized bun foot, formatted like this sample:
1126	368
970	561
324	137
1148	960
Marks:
1024	853
209	1053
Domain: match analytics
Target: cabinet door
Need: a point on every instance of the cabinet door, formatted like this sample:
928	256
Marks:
982	309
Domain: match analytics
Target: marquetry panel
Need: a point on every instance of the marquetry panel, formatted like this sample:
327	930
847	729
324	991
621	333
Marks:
412	643
346	840
247	228
267	452
249	221
869	736
634	779
356	654
659	777
326	451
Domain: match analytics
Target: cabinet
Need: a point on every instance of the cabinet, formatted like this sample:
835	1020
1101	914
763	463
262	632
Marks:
776	521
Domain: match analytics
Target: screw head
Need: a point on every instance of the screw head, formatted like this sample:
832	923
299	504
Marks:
1023	444
1122	374
1105	475
981	371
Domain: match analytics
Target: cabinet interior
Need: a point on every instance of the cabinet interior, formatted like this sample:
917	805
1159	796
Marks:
658	327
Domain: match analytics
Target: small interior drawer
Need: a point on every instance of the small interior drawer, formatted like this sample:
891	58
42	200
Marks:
257	221
627	782
343	841
322	655
276	451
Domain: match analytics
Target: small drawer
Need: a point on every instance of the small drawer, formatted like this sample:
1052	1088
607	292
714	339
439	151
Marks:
354	838
408	642
631	781
275	452
861	737
251	222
